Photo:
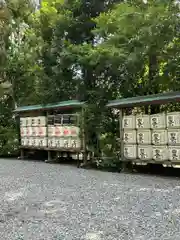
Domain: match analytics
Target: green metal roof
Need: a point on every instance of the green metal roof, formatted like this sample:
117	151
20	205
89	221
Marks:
63	104
145	100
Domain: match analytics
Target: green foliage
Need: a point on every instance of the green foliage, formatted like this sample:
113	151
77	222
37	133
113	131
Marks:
144	34
87	50
8	134
8	142
13	15
101	129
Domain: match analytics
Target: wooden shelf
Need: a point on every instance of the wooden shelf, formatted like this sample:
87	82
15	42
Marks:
168	162
52	149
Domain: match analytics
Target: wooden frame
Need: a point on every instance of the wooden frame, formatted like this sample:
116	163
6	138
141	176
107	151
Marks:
156	99
44	110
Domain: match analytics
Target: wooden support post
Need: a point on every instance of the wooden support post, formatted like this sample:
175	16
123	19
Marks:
121	133
49	157
78	161
22	154
47	114
84	139
121	136
57	156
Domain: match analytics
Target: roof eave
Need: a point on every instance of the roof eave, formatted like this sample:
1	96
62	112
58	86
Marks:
142	101
46	108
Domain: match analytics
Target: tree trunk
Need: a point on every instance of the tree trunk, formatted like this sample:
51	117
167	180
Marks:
152	72
153	85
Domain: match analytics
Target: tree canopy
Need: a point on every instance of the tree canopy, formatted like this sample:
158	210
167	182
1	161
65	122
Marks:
87	50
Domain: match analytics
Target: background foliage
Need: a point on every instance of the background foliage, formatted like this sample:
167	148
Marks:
87	50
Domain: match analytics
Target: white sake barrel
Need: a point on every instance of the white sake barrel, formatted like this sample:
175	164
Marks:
29	131
22	122
23	131
74	131
174	153
41	121
130	151
42	141
37	141
66	131
34	131
58	131
28	121
61	142
34	121
160	153
29	141
143	121
75	142
42	131
173	136
45	142
23	141
58	142
159	137
158	121
34	142
173	119
129	136
143	136
129	122
50	120
51	131
145	152
51	142
66	142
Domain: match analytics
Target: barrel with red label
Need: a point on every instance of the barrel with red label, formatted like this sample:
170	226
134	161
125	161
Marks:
66	131
23	131
41	131
58	131
74	131
29	131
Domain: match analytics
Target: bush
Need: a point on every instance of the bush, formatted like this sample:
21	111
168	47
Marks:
109	159
8	142
109	163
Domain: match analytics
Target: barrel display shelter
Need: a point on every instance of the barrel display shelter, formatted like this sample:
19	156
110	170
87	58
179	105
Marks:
147	136
55	128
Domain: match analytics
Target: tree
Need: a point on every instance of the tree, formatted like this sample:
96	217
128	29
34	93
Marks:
143	37
60	24
89	50
4	22
15	65
134	42
67	42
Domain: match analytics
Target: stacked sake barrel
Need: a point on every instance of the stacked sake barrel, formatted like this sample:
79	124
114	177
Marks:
154	137
23	131
144	148
173	129
33	131
62	133
129	137
148	137
159	137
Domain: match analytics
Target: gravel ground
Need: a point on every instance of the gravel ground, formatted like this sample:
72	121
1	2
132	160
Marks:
59	202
